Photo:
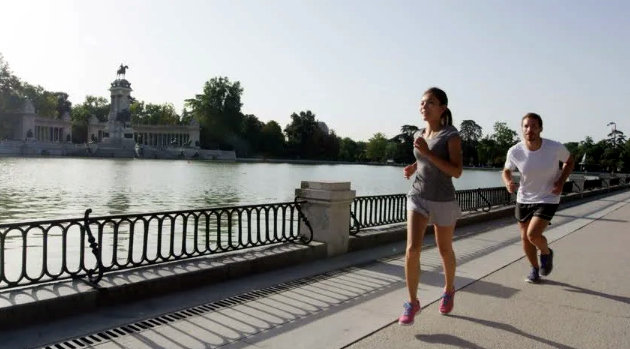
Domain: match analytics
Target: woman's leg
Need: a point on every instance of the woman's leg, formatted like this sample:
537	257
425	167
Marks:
416	225
444	242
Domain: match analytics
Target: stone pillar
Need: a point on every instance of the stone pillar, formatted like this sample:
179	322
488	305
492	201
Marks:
328	210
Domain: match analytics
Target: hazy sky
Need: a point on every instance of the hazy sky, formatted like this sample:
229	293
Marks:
361	66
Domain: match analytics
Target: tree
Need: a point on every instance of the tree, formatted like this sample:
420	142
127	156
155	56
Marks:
624	164
153	114
401	148
63	104
80	115
487	152
250	135
330	145
45	102
504	138
361	151
10	87
218	110
376	149
301	134
616	138
272	142
471	133
348	150
392	151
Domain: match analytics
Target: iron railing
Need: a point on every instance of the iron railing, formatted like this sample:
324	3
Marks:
375	210
44	251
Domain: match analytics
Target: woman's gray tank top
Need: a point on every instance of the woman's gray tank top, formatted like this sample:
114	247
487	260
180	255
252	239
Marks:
431	183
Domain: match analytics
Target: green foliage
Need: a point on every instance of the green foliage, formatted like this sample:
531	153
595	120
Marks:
251	135
488	152
272	142
401	148
308	138
10	87
504	138
471	134
616	138
470	131
348	150
218	110
153	114
80	116
14	92
300	131
376	149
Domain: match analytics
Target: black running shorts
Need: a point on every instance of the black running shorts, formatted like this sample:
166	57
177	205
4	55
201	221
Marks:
525	212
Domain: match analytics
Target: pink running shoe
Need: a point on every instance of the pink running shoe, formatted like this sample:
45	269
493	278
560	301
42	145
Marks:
409	312
447	302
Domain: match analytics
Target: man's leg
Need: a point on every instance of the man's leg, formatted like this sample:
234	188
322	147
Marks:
537	226
528	247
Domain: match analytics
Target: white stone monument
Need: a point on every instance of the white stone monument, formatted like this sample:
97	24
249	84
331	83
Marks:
119	130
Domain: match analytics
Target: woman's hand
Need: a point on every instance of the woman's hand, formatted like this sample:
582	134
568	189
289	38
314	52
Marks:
408	171
421	145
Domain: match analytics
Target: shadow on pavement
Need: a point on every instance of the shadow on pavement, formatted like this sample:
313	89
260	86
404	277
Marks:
577	289
447	339
512	329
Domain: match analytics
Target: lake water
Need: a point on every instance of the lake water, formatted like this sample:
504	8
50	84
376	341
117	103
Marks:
54	188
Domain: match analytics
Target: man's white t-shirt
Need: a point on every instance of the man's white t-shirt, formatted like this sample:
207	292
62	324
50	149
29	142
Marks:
539	169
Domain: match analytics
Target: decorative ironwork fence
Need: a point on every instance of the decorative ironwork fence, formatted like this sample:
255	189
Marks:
375	210
44	251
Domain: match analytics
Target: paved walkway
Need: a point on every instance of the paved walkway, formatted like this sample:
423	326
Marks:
354	300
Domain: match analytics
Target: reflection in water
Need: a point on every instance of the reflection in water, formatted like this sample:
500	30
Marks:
217	197
52	188
118	203
39	189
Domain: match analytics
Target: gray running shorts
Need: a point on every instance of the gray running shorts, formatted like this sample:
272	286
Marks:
442	213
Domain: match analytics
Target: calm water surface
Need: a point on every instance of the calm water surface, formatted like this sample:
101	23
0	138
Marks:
52	188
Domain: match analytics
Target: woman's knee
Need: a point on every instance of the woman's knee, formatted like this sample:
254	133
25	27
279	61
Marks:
413	248
446	249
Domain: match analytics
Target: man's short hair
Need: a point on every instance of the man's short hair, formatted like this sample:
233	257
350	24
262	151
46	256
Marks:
533	116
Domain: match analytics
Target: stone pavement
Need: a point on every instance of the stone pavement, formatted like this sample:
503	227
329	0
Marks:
584	303
354	300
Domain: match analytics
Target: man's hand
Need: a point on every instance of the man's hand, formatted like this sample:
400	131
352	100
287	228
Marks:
511	187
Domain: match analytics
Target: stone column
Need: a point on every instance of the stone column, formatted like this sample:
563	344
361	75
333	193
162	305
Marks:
328	210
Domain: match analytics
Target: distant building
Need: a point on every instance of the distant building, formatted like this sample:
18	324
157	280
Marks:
26	125
25	133
119	131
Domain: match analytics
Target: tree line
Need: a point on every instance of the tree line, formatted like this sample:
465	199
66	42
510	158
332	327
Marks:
223	125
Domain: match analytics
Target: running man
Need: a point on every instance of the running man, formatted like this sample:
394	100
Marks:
538	161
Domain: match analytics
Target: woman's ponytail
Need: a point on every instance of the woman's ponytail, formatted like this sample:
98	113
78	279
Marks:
447	118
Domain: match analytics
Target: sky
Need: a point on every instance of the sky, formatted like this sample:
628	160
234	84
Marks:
361	66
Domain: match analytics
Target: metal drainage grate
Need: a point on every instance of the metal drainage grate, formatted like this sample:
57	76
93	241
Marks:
107	335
